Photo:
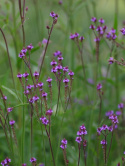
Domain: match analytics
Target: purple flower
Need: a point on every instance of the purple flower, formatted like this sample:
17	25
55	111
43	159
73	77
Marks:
53	63
113	30
54	70
66	80
124	152
64	141
111	60
31	100
121	106
9	109
76	34
104	28
24	50
85	143
81	38
19	75
32	160
115	120
60	58
84	132
52	14
44	94
97	39
36	74
93	19
60	2
104	127
118	113
70	73
65	69
35	98
103	142
4	97
99	86
57	53
58	67
72	36
82	127
26	92
49	112
114	36
99	28
40	84
25	75
11	122
24	164
29	87
123	31
63	146
21	54
110	128
3	163
101	21
109	113
92	27
44	121
44	41
29	47
99	130
49	80
78	139
109	35
80	132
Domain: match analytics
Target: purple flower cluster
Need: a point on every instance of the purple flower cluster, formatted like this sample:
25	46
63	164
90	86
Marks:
111	60
64	144
80	135
111	35
24	50
104	128
33	160
123	31
44	120
75	37
114	119
99	86
5	162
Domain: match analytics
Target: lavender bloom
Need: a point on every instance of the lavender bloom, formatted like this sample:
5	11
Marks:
81	38
60	2
57	53
4	97
26	92
21	54
7	160
35	98
76	34
110	128
99	86
29	47
114	36
72	36
80	132
63	146
19	75
9	109
44	94
65	69
36	74
123	31
92	27
11	122
71	73
52	14
84	132
54	70
121	106
53	63
45	121
103	142
32	160
25	75
102	21
93	19
24	50
44	41
104	28
66	80
64	141
118	113
82	127
24	164
111	60
60	58
104	127
29	87
49	80
99	28
113	30
78	139
49	112
3	163
109	113
99	130
109	35
31	100
124	152
40	84
96	39
58	67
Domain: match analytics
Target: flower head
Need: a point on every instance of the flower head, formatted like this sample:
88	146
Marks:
93	19
123	31
40	84
24	50
65	69
102	21
33	160
44	94
66	80
64	141
21	54
44	121
30	47
9	109
81	38
121	106
99	86
111	60
92	27
52	14
19	75
78	139
25	75
103	142
35	98
49	80
57	53
53	63
11	122
24	164
49	112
